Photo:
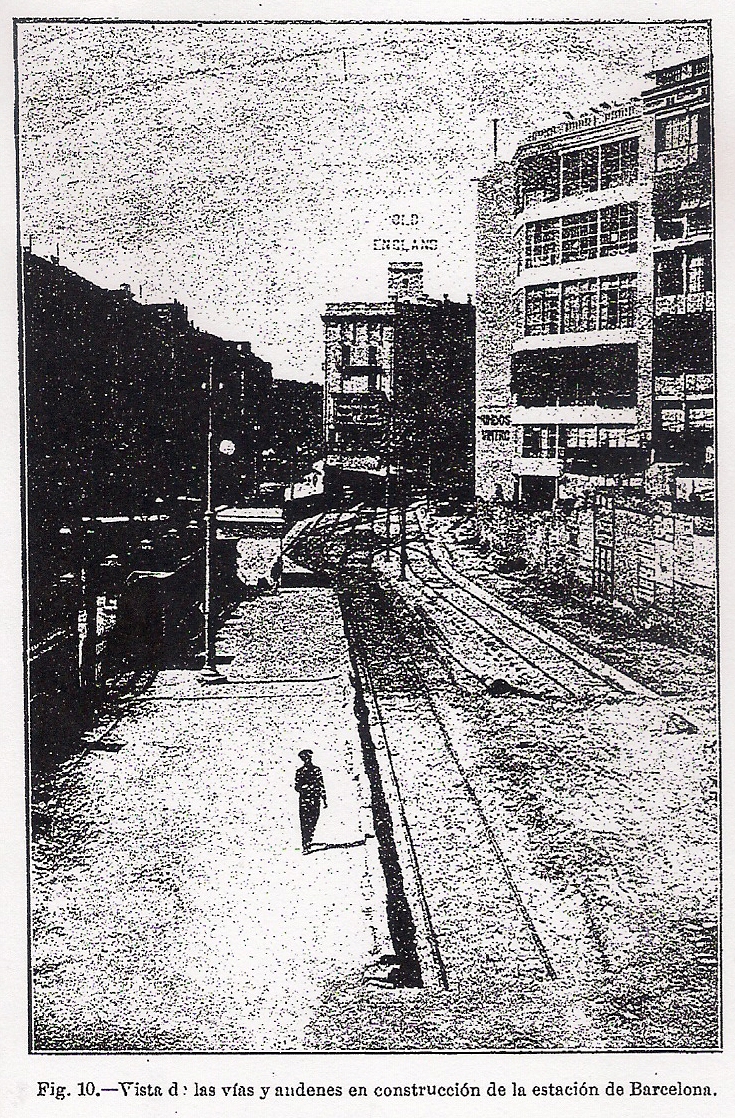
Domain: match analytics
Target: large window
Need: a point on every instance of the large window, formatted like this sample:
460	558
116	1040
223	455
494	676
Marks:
617	302
670	274
539	442
597	303
619	163
581	437
619	229
697	279
618	436
579	171
683	272
677	142
579	305
699	221
542	310
538	180
542	243
675	132
579	236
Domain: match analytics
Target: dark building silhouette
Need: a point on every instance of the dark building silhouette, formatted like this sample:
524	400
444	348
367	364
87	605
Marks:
292	436
115	418
677	112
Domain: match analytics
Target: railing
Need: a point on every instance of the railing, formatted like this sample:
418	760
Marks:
696	302
587	120
601	400
672	75
682	385
677	158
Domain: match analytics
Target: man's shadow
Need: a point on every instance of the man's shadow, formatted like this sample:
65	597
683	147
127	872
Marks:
317	846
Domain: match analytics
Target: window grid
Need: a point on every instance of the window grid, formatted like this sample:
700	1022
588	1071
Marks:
577	437
612	231
619	163
695	275
579	305
600	303
579	236
542	243
676	132
542	310
617	302
618	437
683	273
580	171
539	442
619	229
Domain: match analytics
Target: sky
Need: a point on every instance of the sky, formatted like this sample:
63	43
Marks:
249	170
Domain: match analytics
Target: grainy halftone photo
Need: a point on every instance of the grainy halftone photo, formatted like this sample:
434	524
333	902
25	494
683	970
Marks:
368	445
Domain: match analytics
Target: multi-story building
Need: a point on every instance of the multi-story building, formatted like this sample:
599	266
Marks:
115	415
399	388
594	299
678	122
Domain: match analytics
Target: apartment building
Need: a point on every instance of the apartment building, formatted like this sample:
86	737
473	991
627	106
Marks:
400	389
678	122
594	299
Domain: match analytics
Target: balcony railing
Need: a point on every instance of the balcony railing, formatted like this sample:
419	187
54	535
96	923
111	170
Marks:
677	158
672	75
588	120
696	302
360	409
681	385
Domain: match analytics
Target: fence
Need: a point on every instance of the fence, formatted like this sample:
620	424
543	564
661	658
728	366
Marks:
657	558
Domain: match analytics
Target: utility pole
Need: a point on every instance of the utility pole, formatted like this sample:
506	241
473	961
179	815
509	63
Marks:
209	673
402	483
88	658
387	476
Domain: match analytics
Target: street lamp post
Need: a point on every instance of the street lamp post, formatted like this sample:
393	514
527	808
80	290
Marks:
209	673
256	457
403	552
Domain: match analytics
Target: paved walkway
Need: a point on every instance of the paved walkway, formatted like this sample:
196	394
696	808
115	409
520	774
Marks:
173	906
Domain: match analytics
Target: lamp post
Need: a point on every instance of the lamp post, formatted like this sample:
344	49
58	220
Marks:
209	673
403	552
256	457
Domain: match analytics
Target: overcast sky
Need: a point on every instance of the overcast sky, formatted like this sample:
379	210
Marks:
247	170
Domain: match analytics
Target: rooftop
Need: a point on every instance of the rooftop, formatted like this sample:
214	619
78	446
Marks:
591	118
674	75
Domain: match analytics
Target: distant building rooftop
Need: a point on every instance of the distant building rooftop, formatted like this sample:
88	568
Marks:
591	118
674	75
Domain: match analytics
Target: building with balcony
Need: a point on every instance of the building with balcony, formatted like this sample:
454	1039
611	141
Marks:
678	121
594	298
400	388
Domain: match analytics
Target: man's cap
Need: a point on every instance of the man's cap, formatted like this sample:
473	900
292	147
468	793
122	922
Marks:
305	753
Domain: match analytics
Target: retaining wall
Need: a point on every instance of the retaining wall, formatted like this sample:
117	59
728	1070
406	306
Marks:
651	556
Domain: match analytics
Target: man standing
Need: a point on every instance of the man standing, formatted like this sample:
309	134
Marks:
310	787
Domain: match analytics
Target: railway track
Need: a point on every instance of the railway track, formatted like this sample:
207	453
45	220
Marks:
530	655
409	688
506	933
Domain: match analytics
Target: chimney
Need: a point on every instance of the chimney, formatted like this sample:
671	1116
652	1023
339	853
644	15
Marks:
405	279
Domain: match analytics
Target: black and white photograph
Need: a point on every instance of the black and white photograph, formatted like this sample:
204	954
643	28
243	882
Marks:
368	482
